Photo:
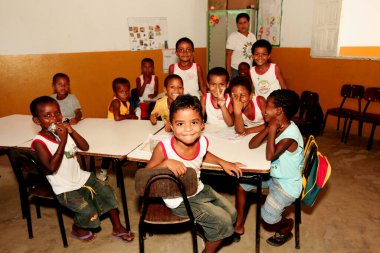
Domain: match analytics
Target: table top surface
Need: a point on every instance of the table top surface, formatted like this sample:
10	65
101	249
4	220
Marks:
224	143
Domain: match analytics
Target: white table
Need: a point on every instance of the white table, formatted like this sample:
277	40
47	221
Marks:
16	129
224	143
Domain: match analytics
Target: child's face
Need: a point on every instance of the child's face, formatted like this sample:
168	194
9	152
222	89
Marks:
271	111
240	92
147	69
122	92
243	25
185	51
47	114
217	84
261	56
61	86
187	125
174	89
243	70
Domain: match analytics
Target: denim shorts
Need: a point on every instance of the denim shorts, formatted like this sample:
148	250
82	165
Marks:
213	212
88	207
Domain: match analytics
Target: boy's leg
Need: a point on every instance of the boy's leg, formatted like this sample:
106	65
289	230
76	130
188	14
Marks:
102	175
240	205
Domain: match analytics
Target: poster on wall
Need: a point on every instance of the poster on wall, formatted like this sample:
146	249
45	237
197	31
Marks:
269	21
169	57
147	33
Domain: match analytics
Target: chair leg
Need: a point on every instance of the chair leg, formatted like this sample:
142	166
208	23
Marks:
92	164
84	164
338	124
141	238
61	226
344	129
38	210
324	123
26	208
360	128
370	140
348	131
297	216
194	237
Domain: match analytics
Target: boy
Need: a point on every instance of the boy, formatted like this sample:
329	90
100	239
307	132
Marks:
187	148
243	69
173	87
266	76
285	151
216	102
190	72
76	189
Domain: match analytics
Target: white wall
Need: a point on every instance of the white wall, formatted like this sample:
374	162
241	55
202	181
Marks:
56	26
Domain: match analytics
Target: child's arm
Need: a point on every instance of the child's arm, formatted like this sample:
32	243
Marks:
77	118
203	103
259	138
262	102
171	69
114	107
158	160
222	105
132	114
201	83
140	87
273	151
155	93
78	139
280	78
232	169
238	111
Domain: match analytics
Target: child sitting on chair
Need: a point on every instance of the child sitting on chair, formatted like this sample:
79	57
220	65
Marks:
173	87
56	145
215	103
188	148
69	103
285	151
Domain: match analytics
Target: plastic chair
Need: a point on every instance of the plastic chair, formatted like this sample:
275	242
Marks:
309	156
371	95
152	185
34	187
310	117
348	91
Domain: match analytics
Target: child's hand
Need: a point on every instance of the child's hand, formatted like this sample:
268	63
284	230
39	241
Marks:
62	130
221	98
178	168
274	125
233	169
238	105
151	96
153	118
147	79
168	127
73	121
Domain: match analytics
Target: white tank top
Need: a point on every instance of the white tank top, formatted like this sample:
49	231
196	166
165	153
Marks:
189	78
195	163
256	118
214	113
69	176
149	88
266	83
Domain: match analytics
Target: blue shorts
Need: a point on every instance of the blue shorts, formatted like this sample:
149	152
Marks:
213	212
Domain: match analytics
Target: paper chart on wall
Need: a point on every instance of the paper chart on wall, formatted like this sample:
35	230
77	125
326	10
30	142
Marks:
269	21
146	33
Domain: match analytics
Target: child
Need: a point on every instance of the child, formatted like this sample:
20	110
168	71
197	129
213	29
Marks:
76	189
187	148
285	151
238	46
190	72
266	77
216	102
243	69
69	103
246	108
147	85
173	87
119	109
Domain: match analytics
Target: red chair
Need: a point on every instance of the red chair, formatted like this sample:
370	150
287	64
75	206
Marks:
371	95
348	91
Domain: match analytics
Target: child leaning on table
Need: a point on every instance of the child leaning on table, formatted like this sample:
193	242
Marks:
118	109
215	102
246	108
76	189
285	151
187	69
188	148
173	86
69	103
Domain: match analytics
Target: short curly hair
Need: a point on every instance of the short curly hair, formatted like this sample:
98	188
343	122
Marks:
288	100
185	102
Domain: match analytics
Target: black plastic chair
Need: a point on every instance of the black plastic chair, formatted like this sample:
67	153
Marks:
348	91
34	188
152	185
371	95
310	117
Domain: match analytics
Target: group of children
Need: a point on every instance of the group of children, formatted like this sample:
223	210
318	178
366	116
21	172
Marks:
256	101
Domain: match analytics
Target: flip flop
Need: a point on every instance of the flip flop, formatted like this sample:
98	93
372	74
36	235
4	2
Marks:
279	239
85	238
122	234
236	237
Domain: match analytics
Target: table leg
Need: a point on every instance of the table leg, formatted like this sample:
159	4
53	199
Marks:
120	178
258	212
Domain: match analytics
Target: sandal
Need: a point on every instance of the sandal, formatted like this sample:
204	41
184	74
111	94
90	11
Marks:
125	236
236	236
279	239
85	238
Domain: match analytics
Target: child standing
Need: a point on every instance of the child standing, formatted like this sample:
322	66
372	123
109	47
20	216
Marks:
69	103
173	87
76	189
246	108
285	151
118	109
187	148
266	77
243	69
190	72
147	85
216	102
